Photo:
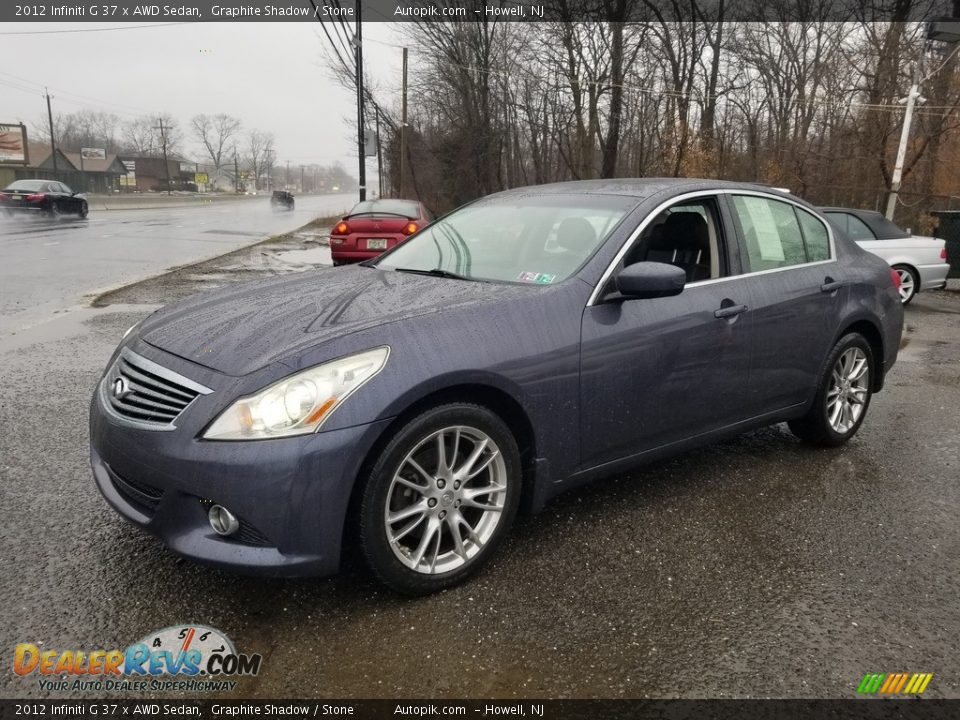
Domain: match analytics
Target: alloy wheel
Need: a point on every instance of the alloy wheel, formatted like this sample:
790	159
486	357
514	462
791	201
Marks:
907	284
445	500
849	390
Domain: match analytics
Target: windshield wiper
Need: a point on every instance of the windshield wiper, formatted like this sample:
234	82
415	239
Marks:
435	272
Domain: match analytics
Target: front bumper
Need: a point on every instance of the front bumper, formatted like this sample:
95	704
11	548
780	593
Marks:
291	494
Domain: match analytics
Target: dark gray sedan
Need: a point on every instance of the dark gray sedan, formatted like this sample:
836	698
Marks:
522	345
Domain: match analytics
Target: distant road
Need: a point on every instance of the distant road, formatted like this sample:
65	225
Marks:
47	267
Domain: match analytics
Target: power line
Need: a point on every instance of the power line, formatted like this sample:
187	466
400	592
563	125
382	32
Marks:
89	30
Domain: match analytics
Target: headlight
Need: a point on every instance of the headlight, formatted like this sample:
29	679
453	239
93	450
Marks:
298	404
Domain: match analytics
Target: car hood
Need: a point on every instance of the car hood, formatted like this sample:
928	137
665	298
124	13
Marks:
243	328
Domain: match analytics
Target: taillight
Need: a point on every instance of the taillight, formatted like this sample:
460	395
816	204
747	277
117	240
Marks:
943	253
341	229
34	197
410	228
895	276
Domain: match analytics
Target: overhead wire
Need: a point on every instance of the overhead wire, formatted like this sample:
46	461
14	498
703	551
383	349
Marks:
92	30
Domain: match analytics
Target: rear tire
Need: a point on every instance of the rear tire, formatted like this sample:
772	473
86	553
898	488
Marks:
55	211
909	283
425	521
843	395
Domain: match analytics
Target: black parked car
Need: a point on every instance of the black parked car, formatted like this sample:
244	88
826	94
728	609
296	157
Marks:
281	199
522	345
47	197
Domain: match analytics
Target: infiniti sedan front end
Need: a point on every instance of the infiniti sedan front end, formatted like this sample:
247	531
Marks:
167	458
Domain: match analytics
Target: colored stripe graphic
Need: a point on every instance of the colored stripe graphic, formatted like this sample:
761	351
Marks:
894	683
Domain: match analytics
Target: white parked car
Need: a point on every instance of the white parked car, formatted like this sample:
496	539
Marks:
920	261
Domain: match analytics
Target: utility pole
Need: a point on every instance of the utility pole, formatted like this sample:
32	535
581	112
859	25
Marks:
895	182
403	128
53	143
301	178
358	51
286	177
163	144
379	159
236	173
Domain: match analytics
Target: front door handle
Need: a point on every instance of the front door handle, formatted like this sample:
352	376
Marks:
729	311
829	285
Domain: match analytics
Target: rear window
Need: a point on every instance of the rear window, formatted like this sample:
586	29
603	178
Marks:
386	207
32	185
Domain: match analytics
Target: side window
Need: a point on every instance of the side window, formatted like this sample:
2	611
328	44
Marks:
771	233
815	236
858	229
686	235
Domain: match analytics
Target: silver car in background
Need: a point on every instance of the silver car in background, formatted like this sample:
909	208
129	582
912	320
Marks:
920	261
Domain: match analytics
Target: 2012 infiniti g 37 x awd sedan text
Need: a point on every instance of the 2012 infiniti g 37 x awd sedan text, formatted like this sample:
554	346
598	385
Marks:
523	344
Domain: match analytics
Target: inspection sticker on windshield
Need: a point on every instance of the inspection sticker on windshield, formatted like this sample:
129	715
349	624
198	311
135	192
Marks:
542	278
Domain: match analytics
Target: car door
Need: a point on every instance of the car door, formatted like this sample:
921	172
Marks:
68	201
656	371
796	287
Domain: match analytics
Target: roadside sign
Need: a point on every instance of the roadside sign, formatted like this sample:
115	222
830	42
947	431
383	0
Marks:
13	144
201	178
93	153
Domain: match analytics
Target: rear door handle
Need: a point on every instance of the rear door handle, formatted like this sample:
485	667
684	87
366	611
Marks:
831	285
729	311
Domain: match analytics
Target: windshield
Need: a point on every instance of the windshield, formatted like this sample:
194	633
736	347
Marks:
535	239
386	207
27	185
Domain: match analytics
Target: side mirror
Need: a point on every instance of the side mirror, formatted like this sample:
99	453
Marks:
650	280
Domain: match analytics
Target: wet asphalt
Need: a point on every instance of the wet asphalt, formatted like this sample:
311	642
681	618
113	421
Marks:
756	567
51	266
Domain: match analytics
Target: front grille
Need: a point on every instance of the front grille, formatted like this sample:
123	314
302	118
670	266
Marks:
144	496
146	393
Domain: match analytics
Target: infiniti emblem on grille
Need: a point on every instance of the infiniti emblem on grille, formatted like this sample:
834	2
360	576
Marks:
120	388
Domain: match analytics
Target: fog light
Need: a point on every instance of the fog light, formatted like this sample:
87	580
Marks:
223	521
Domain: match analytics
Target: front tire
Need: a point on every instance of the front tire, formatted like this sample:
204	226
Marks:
909	283
440	498
84	210
843	395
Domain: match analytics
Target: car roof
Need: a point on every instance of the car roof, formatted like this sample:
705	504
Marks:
637	187
876	221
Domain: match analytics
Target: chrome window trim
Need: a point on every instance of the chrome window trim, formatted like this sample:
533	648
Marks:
594	296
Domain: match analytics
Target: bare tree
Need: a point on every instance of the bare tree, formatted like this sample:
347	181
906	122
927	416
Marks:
259	147
217	134
139	137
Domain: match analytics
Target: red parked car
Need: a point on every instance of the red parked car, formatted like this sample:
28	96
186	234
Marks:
373	226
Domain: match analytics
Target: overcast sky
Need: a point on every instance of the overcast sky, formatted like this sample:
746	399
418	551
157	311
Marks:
270	75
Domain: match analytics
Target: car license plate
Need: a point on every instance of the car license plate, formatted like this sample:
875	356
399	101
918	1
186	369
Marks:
376	244
18	197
